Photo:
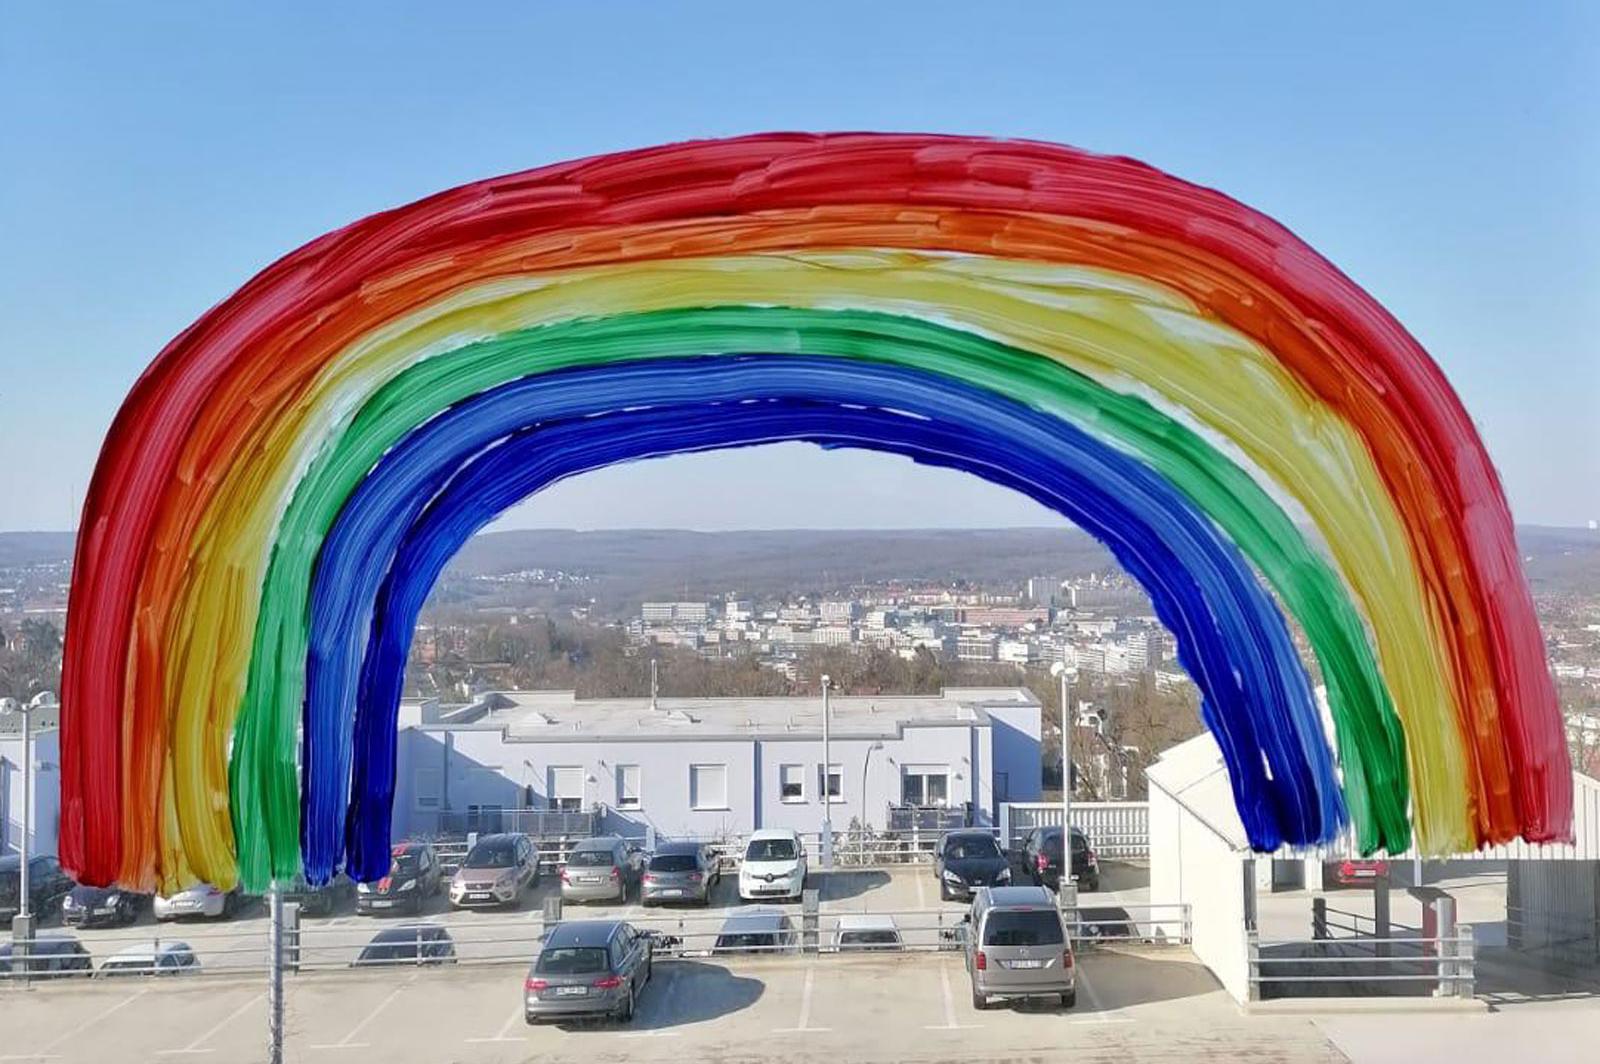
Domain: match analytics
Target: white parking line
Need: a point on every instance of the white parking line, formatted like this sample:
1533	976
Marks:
45	1054
950	1023
922	898
195	1046
504	1033
348	1041
804	1025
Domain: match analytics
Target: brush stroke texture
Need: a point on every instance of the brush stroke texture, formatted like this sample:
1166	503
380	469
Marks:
244	364
1255	695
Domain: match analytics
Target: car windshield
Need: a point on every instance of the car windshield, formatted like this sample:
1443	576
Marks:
869	938
128	966
673	862
978	846
590	859
748	940
404	864
770	850
492	853
390	951
572	960
1022	927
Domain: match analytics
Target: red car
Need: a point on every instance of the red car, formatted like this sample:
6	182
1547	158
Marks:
1360	873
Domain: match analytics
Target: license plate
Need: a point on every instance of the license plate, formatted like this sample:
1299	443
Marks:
588	879
571	991
672	894
1024	964
382	904
484	896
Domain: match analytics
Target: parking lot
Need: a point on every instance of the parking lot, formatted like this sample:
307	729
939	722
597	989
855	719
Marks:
1150	1005
507	935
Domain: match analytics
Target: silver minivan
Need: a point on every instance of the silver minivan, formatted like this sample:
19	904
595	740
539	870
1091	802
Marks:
1017	947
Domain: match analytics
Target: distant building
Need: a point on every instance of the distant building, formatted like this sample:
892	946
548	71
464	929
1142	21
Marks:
712	766
976	647
674	613
833	612
1147	649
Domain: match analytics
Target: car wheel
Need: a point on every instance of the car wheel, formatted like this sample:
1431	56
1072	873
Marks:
1069	999
979	1002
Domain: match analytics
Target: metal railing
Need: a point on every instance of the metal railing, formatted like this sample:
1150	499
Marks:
514	940
1114	829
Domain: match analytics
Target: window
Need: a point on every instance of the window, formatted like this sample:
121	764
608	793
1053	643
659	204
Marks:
566	788
485	819
925	785
429	786
835	786
792	783
708	786
627	786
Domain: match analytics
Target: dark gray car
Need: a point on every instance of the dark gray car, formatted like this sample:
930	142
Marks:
680	871
604	868
588	968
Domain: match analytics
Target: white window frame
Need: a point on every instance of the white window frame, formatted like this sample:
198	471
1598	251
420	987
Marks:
555	800
699	774
636	801
925	772
430	799
835	796
799	780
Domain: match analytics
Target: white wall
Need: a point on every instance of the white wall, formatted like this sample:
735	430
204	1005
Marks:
1191	863
46	792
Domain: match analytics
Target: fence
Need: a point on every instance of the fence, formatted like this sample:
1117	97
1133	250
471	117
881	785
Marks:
1369	960
810	929
1114	829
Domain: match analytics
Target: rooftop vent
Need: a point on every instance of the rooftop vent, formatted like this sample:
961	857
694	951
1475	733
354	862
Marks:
678	716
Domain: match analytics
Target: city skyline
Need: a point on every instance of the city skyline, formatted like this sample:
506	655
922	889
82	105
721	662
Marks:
1447	165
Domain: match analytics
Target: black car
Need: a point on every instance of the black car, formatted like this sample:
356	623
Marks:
408	944
101	906
48	885
52	957
319	901
967	860
414	876
1041	859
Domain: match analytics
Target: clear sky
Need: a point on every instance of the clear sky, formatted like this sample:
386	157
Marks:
152	158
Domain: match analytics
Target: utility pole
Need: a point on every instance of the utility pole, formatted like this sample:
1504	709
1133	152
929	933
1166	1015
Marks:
1064	674
827	772
275	976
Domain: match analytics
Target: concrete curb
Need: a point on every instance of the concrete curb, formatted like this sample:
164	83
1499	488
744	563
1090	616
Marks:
1364	1006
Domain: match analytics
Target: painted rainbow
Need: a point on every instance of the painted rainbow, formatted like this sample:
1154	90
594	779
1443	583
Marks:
1148	358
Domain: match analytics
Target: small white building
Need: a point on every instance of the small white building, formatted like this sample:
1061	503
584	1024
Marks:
46	791
714	766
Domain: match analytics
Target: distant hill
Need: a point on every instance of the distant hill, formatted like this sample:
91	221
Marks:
650	563
32	548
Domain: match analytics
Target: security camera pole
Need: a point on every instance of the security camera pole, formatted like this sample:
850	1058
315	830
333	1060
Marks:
827	796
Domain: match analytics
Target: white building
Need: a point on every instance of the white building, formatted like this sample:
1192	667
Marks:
46	791
713	766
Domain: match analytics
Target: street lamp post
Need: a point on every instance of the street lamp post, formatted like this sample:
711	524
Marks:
827	766
22	925
876	744
1064	673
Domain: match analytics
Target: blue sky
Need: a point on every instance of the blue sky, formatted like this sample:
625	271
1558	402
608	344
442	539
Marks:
153	158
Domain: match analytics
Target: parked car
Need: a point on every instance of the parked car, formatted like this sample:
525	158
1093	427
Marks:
604	868
867	932
416	944
774	865
48	885
1017	947
91	906
415	875
1041	859
1356	873
319	901
158	958
589	968
52	957
495	871
680	871
758	930
201	900
969	859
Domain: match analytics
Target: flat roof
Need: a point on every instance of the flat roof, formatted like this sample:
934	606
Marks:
561	716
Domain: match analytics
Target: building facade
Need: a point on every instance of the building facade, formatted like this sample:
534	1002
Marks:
714	766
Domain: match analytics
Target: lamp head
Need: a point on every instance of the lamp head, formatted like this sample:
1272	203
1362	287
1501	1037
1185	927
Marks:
9	706
1058	668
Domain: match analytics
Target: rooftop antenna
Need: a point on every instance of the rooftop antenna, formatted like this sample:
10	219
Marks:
655	687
